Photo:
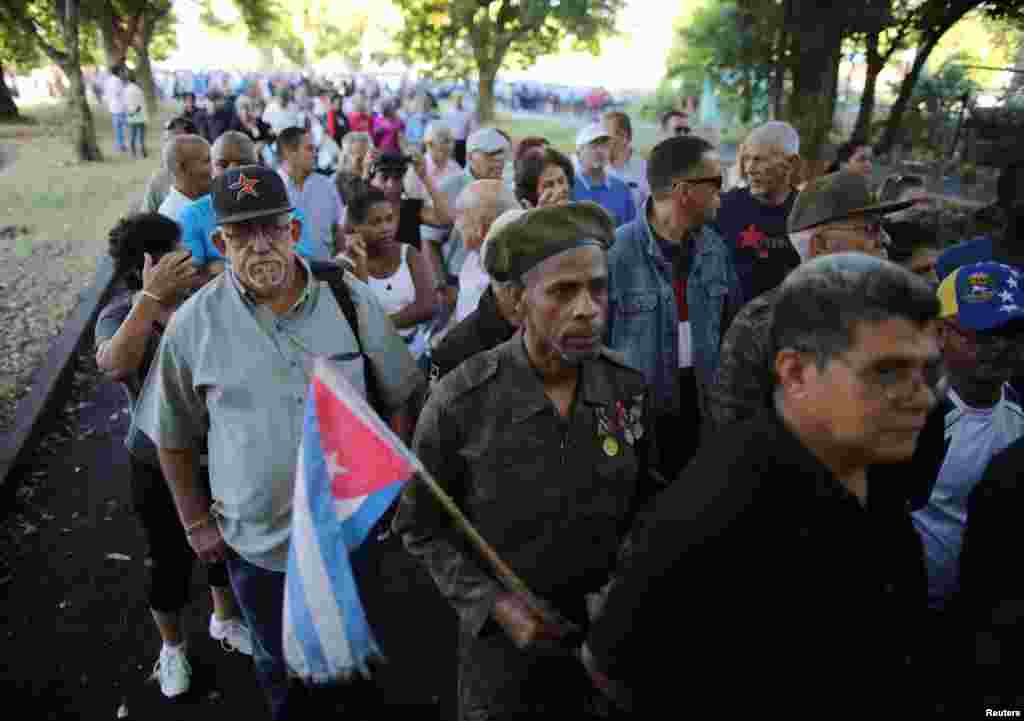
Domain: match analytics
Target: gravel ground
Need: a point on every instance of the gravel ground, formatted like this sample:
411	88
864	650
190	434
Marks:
37	293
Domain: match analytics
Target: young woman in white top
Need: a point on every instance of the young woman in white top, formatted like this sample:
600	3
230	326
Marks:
396	272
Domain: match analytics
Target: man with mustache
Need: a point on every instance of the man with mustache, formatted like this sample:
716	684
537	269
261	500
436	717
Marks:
233	367
543	441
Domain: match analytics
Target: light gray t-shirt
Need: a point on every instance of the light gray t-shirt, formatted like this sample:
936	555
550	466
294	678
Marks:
236	373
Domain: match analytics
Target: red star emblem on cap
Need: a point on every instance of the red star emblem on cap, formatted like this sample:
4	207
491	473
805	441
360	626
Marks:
245	186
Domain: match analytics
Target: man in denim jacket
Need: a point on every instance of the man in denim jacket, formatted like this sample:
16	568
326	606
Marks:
673	289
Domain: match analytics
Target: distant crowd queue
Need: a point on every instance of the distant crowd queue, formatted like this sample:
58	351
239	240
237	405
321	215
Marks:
755	449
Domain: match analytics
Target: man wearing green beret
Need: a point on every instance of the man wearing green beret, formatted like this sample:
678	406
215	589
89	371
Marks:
544	443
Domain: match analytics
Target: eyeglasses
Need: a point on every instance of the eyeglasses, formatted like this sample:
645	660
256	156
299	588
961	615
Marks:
680	130
244	235
901	383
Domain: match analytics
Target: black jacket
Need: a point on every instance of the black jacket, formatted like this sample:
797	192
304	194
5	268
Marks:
481	330
759	576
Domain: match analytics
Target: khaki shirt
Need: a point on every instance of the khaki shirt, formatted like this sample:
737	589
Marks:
553	496
236	373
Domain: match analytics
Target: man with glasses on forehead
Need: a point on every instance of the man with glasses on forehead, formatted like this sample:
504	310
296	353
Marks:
232	368
672	291
784	547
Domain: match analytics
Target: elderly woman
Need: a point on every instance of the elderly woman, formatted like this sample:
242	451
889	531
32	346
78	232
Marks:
545	177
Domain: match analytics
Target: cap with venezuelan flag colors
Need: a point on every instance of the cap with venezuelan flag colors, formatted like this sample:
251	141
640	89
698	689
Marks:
983	296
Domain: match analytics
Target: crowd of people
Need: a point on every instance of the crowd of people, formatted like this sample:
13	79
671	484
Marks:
767	438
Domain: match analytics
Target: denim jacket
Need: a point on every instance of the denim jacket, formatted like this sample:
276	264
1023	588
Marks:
643	319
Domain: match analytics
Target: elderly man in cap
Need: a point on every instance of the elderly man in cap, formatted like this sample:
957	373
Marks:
233	368
543	442
594	182
487	150
772	546
197	219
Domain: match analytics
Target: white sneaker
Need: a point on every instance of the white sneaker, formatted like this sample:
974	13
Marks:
233	634
173	670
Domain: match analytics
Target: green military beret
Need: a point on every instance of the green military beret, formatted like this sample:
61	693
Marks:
538	234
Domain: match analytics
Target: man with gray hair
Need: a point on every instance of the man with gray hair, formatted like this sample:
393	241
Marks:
820	561
476	209
188	159
752	219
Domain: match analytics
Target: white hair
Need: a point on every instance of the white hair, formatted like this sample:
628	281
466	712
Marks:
437	131
477	195
776	134
802	242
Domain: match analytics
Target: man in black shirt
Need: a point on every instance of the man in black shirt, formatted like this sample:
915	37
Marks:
771	555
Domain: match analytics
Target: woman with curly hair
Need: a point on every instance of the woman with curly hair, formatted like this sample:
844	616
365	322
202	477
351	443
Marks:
544	177
155	278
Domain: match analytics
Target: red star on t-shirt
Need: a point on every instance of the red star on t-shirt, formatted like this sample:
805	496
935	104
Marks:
752	237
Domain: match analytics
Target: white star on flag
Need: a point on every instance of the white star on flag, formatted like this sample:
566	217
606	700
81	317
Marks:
1012	282
334	469
1010	308
1006	296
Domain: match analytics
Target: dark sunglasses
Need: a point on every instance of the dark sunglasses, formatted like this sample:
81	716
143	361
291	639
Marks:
681	130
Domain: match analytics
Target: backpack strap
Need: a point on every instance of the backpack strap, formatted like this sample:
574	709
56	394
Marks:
334	275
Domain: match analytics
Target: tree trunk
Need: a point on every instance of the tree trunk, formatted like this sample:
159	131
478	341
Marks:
815	45
488	72
894	123
779	74
83	131
115	51
8	108
144	67
876	63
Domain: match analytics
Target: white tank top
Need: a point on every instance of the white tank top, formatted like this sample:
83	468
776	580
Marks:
397	290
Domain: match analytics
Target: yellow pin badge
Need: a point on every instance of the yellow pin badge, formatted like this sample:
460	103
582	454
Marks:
611	447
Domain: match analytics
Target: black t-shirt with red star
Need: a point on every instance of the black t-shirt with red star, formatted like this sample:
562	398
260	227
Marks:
756	233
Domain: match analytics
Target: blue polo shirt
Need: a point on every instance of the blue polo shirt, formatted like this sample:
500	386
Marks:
198	222
613	195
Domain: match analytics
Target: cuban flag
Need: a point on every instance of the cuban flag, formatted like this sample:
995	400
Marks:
351	468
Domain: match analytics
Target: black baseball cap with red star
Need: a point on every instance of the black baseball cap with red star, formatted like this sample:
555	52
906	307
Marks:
247	193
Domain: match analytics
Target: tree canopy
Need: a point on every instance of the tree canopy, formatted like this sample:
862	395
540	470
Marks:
459	37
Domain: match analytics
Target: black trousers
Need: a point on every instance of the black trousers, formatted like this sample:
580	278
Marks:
170	573
460	152
677	434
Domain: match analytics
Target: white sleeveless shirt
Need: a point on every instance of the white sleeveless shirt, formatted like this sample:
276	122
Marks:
396	292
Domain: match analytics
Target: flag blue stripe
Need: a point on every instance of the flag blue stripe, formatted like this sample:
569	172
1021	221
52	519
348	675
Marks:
302	621
358	526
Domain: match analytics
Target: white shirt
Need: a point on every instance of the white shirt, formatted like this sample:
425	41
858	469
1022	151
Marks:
473	282
974	436
113	90
173	203
134	98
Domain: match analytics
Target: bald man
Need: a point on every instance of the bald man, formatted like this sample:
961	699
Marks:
232	149
187	157
476	208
